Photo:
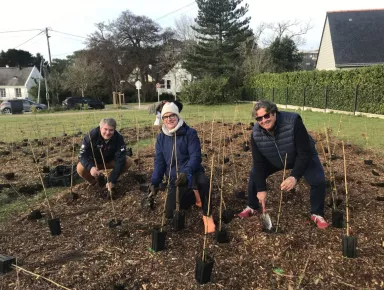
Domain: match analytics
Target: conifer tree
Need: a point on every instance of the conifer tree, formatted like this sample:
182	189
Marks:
221	29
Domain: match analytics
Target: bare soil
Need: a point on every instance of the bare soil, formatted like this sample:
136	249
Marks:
90	255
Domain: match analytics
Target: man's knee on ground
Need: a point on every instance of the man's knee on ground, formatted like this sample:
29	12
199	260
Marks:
128	163
81	170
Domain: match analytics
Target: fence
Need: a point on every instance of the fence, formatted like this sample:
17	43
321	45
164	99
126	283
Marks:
351	99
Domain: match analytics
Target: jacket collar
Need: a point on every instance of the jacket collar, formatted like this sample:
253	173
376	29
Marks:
182	130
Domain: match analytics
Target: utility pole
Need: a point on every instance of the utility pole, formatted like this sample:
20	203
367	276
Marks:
41	73
46	85
49	49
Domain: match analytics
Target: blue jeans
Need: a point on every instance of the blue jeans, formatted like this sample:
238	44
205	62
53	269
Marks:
315	177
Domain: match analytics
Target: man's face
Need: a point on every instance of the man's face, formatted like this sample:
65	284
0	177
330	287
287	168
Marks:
170	120
266	121
107	132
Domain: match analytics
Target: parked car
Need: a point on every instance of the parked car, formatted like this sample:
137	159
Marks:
72	102
27	105
10	106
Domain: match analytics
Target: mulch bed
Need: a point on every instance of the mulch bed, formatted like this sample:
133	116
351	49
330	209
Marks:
90	255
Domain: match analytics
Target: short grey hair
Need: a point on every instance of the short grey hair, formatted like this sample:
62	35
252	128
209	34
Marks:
269	107
109	121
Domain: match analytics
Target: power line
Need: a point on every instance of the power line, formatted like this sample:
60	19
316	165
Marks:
19	30
175	11
29	39
68	33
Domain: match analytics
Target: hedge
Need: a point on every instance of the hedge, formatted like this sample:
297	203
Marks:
359	89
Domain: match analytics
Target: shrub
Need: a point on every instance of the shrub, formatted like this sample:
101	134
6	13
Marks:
340	87
56	108
207	91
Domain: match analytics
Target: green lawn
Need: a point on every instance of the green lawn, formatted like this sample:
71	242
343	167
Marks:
18	127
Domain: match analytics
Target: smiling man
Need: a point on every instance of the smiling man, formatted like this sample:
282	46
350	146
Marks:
276	135
103	142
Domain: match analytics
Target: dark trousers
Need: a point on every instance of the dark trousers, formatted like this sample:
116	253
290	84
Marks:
315	177
187	196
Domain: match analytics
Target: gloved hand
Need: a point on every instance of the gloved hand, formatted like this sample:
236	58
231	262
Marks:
182	180
153	190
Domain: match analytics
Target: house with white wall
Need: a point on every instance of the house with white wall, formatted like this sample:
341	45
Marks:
16	82
175	79
352	39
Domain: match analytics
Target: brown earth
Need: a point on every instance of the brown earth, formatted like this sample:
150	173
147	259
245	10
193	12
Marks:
89	255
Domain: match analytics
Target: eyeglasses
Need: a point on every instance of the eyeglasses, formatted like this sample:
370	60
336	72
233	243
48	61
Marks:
266	117
169	116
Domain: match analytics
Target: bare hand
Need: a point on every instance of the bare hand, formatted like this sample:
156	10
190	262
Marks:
288	184
262	197
95	172
109	186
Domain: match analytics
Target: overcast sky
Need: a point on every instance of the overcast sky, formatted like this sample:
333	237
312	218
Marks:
78	18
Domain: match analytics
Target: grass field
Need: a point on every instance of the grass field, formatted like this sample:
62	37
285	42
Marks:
362	131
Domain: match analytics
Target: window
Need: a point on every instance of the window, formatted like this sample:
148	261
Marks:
18	92
2	93
168	84
185	82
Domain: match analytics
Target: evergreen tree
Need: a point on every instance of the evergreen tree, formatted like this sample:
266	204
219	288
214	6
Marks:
285	55
221	29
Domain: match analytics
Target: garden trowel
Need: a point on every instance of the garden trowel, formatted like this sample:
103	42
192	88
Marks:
266	220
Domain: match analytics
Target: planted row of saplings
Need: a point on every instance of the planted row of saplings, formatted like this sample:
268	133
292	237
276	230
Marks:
349	243
204	264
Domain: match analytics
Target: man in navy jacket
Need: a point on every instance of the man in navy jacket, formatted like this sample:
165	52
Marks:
103	142
178	157
276	135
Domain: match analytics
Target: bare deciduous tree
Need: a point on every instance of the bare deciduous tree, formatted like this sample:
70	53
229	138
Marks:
82	75
293	29
183	29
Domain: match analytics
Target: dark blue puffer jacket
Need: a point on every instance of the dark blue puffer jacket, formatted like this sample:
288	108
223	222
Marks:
188	155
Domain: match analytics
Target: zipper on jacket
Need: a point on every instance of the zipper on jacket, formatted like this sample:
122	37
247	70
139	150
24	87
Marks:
277	148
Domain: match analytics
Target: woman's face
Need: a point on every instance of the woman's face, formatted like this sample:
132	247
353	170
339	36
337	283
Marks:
266	121
170	120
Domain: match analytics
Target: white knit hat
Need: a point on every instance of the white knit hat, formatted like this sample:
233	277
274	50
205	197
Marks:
170	108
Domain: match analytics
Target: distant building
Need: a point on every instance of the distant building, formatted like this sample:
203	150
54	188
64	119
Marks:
175	79
309	59
16	82
352	39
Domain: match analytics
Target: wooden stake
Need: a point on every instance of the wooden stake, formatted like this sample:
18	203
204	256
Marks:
332	175
41	179
73	155
233	158
346	190
109	190
209	202
337	135
166	190
39	276
281	194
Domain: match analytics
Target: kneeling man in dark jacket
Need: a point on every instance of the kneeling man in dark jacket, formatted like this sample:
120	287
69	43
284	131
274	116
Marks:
276	135
103	142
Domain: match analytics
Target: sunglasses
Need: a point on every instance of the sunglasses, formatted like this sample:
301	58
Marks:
266	117
169	116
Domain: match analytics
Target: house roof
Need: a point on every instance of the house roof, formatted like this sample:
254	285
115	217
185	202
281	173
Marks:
357	37
14	76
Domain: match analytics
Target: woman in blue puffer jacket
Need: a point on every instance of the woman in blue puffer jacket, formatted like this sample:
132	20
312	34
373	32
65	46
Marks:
178	148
